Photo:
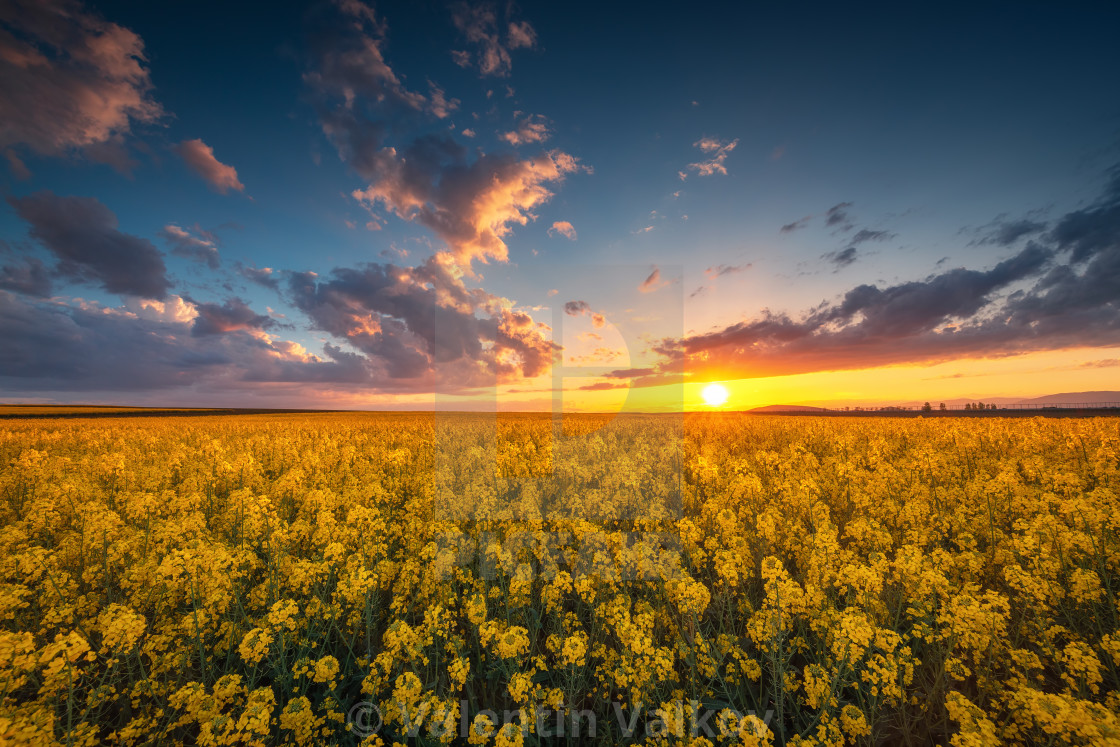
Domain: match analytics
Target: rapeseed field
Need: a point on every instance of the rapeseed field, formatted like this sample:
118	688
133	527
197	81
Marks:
409	579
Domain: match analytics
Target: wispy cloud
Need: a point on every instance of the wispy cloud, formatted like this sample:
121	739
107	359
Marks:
716	151
531	129
721	270
201	248
796	225
653	282
578	308
837	217
491	40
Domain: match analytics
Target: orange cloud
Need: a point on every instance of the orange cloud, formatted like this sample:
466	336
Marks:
200	158
718	151
563	228
72	81
471	206
652	282
531	129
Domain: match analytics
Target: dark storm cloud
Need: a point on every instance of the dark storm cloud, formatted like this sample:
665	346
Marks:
1088	232
26	275
232	316
51	346
82	233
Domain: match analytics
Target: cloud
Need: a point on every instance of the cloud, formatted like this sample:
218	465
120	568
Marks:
28	276
232	316
479	25
470	205
262	276
201	248
356	93
82	233
200	158
1061	290
82	346
849	255
717	152
578	308
1006	233
470	200
438	103
531	129
563	228
1105	363
652	282
16	166
864	235
842	258
601	355
424	325
837	216
1095	230
522	35
73	82
721	270
796	225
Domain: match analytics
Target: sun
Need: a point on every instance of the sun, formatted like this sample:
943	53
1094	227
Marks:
714	395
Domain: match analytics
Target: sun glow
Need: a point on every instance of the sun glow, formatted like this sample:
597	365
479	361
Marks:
714	395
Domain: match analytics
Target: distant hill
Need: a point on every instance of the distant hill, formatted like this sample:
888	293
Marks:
1070	398
1067	398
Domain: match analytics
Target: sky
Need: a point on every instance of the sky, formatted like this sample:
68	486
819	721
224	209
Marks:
474	205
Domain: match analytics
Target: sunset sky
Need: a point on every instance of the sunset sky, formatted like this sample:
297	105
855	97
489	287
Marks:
468	205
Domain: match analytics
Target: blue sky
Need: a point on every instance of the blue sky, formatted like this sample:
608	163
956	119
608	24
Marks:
778	159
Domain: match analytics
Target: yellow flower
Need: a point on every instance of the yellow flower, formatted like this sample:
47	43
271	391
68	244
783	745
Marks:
254	645
121	628
481	729
325	670
510	735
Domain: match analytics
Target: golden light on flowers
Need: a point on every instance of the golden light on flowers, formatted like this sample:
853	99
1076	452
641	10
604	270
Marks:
254	577
714	395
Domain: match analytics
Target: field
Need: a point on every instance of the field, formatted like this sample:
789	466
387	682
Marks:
711	579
